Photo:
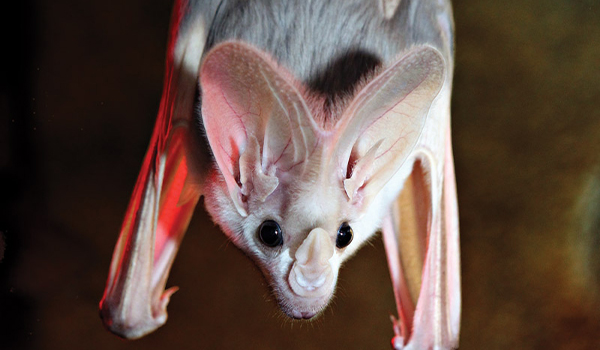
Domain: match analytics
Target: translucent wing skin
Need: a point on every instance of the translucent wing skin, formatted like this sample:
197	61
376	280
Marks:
421	233
166	191
422	244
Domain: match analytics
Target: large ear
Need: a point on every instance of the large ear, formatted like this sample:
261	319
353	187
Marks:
256	122
384	122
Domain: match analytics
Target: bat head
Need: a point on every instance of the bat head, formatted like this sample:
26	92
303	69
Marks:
299	236
296	194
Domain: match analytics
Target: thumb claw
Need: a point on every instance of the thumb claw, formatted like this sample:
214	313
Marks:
398	339
166	297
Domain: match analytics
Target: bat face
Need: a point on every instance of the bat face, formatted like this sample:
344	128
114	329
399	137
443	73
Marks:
294	223
298	196
299	236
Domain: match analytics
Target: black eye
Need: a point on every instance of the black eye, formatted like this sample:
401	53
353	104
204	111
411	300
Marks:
270	233
344	236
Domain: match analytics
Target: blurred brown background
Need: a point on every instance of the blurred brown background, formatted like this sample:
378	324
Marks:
80	87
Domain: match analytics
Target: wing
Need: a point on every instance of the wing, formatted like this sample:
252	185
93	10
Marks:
166	191
422	242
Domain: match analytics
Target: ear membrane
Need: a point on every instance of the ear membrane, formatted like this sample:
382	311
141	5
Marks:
379	130
256	121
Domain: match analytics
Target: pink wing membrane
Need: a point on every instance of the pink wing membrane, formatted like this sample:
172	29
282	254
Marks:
135	299
432	319
163	200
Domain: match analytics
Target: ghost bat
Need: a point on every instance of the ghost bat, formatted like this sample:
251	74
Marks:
307	126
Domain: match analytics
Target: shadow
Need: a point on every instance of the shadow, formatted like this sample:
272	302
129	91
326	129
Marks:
18	165
340	78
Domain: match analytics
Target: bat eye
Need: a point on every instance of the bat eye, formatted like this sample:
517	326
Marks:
270	233
344	236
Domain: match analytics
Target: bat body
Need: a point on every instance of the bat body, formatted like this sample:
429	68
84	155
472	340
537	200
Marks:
308	126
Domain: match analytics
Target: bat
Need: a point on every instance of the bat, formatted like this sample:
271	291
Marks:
308	126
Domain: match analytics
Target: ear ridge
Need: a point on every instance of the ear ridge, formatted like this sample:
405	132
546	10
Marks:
361	171
246	96
392	111
262	184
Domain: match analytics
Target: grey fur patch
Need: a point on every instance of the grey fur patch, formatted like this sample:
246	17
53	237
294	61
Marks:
332	47
328	45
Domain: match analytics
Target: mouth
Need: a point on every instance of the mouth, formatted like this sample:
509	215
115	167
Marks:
299	308
302	315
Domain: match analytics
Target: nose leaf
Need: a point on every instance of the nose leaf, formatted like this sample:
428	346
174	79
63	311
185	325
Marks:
316	250
312	270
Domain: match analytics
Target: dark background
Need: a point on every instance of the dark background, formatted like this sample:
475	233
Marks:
80	88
